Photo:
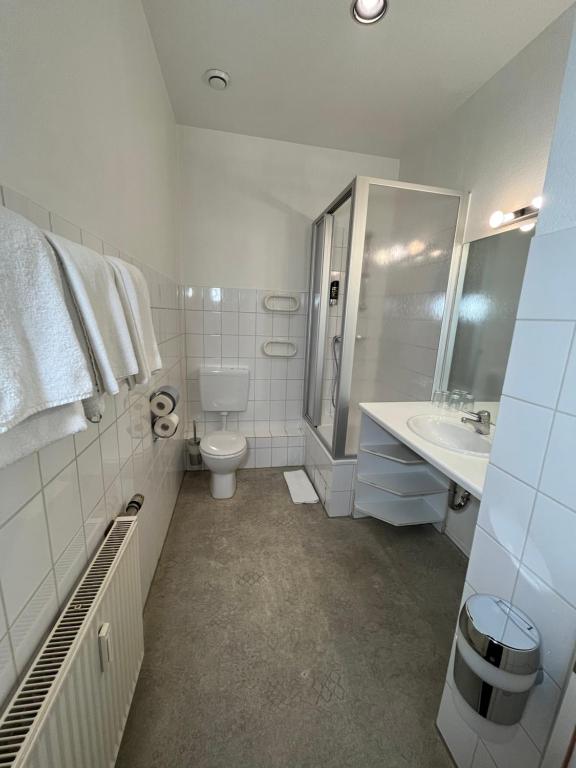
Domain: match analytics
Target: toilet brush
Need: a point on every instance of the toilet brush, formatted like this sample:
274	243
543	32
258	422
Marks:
194	454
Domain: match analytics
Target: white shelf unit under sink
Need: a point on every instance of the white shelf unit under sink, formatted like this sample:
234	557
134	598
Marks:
394	484
393	451
418	483
406	512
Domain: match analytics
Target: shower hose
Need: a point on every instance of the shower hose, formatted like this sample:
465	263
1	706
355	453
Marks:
335	341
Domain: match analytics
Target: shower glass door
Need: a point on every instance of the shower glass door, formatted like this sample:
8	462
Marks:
317	312
401	264
328	277
384	272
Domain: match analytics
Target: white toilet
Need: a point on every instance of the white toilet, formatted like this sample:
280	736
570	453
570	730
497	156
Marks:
223	390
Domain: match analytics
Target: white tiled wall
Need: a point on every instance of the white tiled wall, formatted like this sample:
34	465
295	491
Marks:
524	544
527	524
228	326
56	504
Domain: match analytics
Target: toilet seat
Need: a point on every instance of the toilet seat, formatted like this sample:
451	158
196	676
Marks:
223	443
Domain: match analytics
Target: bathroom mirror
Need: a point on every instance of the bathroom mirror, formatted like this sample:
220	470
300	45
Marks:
487	296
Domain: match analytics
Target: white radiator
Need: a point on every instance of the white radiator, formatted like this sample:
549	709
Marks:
71	708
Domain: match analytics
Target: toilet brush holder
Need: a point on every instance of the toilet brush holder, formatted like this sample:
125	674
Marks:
193	446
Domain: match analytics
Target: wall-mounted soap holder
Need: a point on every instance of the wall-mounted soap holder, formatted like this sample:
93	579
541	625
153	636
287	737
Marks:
279	348
281	302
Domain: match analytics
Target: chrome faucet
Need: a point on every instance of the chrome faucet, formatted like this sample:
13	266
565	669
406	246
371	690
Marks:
480	420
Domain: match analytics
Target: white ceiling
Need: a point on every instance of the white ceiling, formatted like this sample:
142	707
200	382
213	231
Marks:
303	71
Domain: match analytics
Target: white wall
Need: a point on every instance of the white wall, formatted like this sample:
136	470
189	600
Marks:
88	149
57	503
523	547
497	144
86	128
228	326
247	205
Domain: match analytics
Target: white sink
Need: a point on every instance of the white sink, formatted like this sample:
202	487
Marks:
450	432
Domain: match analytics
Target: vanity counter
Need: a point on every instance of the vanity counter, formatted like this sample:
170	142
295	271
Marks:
467	471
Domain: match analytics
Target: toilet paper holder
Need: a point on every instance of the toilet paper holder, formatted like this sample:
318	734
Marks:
164	400
164	427
164	421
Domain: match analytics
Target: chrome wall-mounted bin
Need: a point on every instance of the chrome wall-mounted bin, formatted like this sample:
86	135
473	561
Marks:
497	658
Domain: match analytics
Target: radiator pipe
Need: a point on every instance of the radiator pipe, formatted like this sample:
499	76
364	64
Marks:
134	505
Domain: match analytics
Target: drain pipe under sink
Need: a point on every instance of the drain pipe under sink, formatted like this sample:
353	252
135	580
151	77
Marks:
458	498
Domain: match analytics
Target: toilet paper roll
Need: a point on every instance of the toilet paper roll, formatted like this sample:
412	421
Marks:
166	426
164	401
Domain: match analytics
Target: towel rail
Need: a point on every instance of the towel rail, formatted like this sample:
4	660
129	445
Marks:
281	302
279	348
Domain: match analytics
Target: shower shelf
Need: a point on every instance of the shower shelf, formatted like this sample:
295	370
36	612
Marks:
402	512
405	484
394	451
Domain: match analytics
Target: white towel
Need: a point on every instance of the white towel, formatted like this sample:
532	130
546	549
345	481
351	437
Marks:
40	430
301	489
93	289
135	298
42	362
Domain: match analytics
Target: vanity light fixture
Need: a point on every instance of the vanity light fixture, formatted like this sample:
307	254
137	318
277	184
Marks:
416	247
369	11
526	214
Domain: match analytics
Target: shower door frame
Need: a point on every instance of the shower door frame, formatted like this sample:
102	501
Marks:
322	227
327	219
358	192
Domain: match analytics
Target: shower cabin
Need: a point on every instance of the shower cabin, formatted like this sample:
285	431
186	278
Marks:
383	274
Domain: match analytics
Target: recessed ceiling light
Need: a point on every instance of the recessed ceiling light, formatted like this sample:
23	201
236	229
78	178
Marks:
369	11
217	79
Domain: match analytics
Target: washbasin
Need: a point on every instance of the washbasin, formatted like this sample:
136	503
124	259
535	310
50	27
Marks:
450	432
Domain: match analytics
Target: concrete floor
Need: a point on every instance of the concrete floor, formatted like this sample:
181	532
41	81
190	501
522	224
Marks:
278	638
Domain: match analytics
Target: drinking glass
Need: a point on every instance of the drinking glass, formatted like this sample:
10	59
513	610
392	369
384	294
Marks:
455	400
440	398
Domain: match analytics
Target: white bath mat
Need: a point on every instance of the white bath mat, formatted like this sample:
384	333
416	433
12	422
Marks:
301	489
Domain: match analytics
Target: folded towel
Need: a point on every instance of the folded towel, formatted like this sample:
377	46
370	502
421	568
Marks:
40	430
42	362
301	489
135	298
92	286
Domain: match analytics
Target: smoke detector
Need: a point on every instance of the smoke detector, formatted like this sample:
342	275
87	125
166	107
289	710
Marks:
217	79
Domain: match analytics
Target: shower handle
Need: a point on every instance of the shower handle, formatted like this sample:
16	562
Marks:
336	360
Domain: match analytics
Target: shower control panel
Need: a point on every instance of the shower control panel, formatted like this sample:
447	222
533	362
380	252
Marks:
334	290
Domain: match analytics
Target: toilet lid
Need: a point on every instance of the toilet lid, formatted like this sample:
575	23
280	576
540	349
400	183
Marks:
222	443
